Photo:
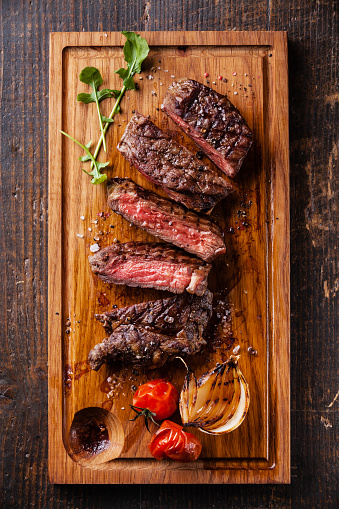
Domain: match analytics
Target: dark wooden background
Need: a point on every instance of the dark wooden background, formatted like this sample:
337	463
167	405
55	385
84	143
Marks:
314	103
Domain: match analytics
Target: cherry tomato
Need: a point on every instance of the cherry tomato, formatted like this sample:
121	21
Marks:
171	441
158	396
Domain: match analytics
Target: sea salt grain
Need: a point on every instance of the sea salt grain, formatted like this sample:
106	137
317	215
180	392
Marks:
236	349
94	248
80	236
82	217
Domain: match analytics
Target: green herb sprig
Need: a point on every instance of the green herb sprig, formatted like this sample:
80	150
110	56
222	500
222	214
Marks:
98	177
136	50
92	77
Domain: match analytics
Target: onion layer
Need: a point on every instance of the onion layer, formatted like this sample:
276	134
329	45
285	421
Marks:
218	402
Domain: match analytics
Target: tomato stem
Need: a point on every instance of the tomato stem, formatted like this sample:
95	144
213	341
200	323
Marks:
146	413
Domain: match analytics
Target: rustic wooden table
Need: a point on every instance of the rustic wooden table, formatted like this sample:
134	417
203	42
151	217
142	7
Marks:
312	32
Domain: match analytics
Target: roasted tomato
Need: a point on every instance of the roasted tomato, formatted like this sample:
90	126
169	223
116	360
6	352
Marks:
171	441
158	396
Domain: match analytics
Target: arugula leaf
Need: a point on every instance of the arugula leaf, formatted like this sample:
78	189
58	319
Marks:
97	176
95	173
128	80
91	76
106	119
86	157
135	50
105	93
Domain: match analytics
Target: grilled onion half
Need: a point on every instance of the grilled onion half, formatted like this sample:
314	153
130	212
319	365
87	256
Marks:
216	403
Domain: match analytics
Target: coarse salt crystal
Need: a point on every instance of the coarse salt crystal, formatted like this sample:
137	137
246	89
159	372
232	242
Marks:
89	229
234	74
80	236
235	93
82	217
172	76
236	349
94	248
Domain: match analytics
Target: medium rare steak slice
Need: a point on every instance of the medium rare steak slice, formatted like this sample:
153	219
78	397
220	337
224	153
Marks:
151	333
166	163
210	120
166	219
151	265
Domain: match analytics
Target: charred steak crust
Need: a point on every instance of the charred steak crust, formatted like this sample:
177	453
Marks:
149	334
165	219
211	121
166	163
151	265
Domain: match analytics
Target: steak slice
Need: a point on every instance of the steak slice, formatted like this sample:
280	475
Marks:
151	333
165	219
166	163
210	120
151	265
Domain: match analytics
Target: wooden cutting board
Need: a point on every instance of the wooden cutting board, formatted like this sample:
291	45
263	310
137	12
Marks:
254	274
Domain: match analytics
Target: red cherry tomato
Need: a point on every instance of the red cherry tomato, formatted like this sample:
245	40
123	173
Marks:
158	396
171	441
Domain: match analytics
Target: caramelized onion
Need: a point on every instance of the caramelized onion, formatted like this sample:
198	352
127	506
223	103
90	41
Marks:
218	402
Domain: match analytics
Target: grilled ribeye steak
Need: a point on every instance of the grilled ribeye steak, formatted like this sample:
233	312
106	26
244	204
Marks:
151	265
151	333
166	163
210	120
165	219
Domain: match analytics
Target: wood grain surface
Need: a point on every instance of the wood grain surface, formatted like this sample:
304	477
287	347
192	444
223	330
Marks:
253	275
313	62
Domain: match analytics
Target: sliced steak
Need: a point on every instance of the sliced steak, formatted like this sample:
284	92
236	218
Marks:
166	163
210	120
151	333
151	265
166	219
